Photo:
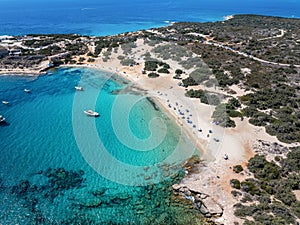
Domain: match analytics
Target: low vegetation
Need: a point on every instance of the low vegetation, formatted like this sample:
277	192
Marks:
271	191
153	75
204	96
158	66
172	51
221	117
274	98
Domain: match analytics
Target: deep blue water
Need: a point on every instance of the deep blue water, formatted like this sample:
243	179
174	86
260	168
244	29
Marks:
99	17
121	154
115	168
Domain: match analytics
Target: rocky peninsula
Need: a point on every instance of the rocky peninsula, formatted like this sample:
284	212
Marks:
233	87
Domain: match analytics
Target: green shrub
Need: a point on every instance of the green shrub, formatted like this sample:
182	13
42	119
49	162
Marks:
286	196
281	211
233	103
195	93
153	75
194	62
250	187
238	168
213	99
178	72
166	66
121	57
234	114
127	62
263	169
151	65
245	98
163	70
277	158
296	208
177	77
220	116
91	60
292	161
90	54
189	81
235	183
200	76
246	198
248	222
236	193
264	199
244	211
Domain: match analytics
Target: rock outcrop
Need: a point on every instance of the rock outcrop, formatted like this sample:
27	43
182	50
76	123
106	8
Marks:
206	204
265	148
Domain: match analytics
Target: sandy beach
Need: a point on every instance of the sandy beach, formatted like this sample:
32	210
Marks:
212	179
195	120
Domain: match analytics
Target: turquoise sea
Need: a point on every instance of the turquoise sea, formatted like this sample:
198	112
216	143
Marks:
60	166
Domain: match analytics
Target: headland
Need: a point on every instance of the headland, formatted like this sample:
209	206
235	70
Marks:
231	85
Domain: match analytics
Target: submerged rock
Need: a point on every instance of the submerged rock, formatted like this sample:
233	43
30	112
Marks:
140	207
2	187
92	204
21	189
147	178
38	218
152	103
99	192
60	179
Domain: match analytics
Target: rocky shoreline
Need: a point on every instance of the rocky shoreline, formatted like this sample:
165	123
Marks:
34	70
205	203
208	189
58	184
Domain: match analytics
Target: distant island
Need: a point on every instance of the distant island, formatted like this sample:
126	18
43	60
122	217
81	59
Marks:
239	80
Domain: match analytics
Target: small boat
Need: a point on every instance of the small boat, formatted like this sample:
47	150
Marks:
5	102
27	90
91	113
79	88
2	119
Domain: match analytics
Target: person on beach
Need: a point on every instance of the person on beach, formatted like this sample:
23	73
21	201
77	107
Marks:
226	157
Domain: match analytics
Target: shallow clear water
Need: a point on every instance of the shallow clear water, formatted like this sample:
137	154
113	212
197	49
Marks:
117	167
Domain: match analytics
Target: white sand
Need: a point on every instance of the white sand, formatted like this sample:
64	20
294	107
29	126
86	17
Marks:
236	142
